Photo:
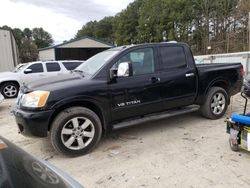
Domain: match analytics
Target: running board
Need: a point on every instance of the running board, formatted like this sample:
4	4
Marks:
156	116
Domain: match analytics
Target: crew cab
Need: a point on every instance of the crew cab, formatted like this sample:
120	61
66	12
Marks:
120	87
32	71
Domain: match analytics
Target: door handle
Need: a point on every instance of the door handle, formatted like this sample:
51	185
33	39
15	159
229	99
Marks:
189	74
154	79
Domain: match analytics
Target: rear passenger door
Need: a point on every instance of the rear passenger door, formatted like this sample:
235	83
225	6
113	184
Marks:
178	79
53	68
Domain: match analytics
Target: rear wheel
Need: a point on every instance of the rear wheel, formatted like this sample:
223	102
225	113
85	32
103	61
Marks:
9	90
216	103
75	131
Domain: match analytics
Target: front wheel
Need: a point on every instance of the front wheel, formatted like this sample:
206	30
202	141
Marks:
216	103
9	90
75	131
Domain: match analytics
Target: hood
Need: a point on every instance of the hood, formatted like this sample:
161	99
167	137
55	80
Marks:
55	82
6	74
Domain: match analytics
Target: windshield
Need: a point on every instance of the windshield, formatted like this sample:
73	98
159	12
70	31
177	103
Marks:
93	64
20	67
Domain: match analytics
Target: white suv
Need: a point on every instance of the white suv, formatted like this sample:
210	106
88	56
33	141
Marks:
30	72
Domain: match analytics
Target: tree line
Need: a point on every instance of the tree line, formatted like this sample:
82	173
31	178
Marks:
29	41
208	26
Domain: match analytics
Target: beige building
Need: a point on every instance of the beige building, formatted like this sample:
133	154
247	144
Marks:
79	49
8	51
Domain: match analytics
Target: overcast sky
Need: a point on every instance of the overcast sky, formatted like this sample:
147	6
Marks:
61	18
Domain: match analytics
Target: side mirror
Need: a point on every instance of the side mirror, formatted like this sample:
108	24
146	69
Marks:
125	69
27	71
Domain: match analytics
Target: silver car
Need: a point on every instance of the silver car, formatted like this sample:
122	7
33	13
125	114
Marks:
31	72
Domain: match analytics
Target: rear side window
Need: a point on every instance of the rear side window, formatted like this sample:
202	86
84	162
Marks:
172	57
53	67
71	65
36	68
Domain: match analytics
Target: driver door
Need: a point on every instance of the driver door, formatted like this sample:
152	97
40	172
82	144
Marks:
138	94
37	73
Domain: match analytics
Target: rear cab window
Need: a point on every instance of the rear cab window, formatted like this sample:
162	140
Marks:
172	57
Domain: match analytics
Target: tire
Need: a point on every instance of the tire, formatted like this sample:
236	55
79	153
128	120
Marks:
233	146
75	131
215	109
9	90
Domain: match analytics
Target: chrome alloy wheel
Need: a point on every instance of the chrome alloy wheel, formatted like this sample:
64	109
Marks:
218	103
10	91
77	133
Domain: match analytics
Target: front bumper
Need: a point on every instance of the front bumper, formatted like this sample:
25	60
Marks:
33	123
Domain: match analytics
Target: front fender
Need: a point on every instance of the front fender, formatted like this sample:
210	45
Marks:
10	79
79	100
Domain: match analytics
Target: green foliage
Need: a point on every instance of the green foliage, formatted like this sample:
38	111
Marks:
126	24
27	33
221	24
102	30
28	51
19	35
41	37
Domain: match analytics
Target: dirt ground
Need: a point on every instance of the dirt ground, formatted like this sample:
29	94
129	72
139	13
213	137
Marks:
183	151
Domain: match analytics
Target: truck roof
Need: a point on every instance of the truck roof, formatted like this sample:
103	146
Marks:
120	48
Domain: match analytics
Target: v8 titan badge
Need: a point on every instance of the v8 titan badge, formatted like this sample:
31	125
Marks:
129	103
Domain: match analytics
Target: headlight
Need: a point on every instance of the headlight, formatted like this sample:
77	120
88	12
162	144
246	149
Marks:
35	99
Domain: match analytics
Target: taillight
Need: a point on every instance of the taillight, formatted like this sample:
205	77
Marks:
242	72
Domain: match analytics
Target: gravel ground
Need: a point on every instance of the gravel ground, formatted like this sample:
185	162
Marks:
183	151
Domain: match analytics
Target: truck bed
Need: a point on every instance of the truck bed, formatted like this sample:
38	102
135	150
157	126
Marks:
208	73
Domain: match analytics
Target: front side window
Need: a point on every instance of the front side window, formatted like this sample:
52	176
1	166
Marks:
172	57
36	68
53	67
142	61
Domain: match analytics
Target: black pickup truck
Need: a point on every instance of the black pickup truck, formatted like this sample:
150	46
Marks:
120	87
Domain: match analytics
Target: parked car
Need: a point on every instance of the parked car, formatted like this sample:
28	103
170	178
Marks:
20	169
33	71
121	86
